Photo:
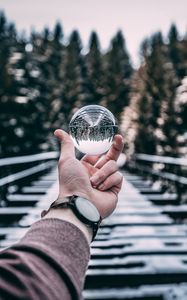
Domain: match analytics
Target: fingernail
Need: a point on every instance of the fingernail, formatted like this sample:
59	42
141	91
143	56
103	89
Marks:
94	179
101	187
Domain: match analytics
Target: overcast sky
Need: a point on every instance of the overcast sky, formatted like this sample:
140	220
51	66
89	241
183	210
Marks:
136	18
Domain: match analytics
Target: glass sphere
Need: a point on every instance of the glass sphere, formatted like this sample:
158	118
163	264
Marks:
92	129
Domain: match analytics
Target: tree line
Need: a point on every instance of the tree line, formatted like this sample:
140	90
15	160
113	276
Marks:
45	77
157	112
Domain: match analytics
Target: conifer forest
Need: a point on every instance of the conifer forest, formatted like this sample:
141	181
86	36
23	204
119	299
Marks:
45	77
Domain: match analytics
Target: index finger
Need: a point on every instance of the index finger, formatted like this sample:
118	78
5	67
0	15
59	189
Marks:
113	152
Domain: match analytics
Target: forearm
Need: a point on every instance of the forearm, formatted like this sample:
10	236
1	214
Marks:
45	264
69	216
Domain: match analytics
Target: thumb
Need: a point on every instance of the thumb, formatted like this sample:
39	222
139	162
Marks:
67	146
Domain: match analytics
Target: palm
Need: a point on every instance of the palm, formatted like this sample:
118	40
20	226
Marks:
109	195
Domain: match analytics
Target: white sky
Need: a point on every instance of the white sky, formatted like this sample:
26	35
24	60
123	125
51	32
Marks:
136	18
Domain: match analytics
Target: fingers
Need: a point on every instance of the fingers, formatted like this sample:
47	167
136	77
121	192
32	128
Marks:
113	180
90	169
113	152
102	174
91	159
67	146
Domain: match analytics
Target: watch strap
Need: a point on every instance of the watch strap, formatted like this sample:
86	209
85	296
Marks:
68	203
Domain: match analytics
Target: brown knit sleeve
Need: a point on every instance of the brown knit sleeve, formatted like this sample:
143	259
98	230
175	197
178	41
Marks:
48	263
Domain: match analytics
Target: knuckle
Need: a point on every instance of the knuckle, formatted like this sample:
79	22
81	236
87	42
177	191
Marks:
111	167
120	176
116	200
113	164
102	175
61	162
65	161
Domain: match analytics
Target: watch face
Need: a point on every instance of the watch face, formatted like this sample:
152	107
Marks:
87	209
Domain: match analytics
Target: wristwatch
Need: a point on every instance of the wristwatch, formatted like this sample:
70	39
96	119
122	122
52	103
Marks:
83	209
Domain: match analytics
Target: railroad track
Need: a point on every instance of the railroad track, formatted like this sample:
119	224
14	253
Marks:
140	252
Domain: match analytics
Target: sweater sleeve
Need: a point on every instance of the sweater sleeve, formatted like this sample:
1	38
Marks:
48	263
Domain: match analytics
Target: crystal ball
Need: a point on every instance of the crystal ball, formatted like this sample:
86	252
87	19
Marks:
92	129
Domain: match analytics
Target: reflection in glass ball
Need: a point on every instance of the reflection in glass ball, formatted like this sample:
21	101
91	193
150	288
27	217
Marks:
92	129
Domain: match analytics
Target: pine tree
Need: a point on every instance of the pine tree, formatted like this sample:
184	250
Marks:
183	53
176	51
8	87
118	72
5	52
180	106
58	32
57	51
48	51
95	70
75	87
145	141
26	129
46	59
156	112
167	120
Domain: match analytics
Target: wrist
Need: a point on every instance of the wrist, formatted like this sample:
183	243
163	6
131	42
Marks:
82	212
83	194
67	215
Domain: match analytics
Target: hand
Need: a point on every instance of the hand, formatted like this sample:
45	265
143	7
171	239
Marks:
94	177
